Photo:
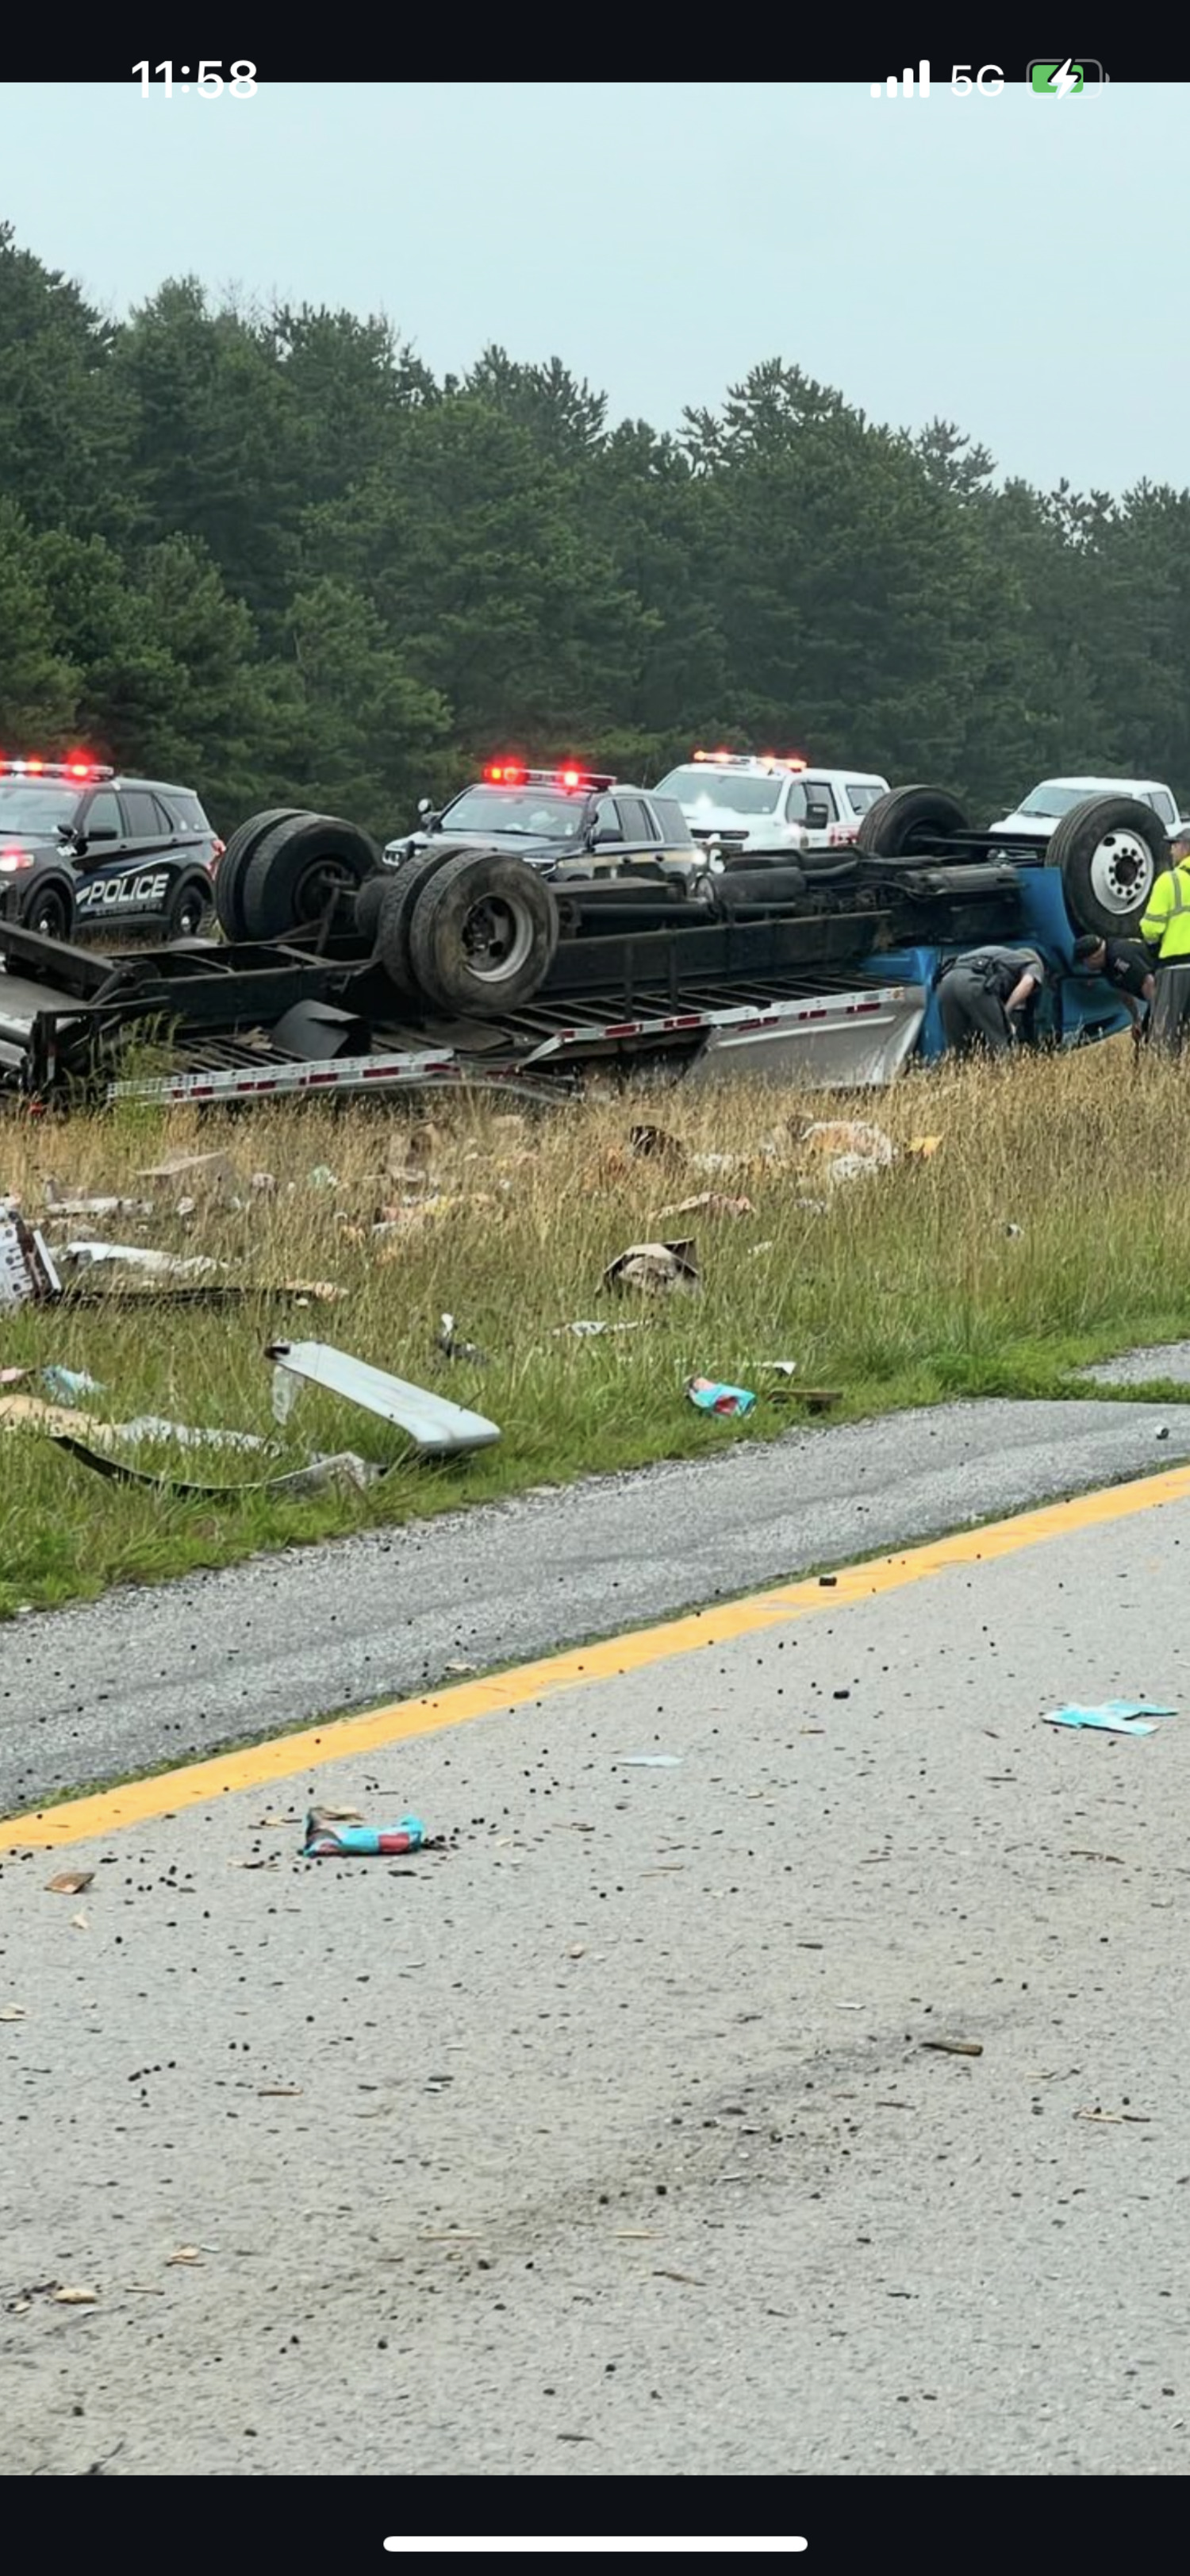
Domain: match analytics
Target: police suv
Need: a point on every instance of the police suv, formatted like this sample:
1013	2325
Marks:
553	817
81	848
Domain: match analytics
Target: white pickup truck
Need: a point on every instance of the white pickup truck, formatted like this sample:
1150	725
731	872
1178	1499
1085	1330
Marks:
1118	861
739	802
1044	806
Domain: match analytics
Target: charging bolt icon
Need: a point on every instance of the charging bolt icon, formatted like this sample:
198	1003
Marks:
1062	79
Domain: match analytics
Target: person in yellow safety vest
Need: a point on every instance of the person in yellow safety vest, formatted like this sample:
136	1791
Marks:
1165	927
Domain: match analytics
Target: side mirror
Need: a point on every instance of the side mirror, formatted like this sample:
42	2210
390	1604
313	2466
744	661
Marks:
817	817
424	807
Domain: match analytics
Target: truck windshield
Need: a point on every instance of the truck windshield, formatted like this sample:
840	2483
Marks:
26	808
1051	799
729	791
531	812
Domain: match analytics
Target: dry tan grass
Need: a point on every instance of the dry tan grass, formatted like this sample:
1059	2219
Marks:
901	1287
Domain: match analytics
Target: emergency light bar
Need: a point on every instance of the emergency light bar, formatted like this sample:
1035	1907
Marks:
765	760
511	773
80	769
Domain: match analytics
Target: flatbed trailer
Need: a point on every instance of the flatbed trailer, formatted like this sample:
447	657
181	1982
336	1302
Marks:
827	982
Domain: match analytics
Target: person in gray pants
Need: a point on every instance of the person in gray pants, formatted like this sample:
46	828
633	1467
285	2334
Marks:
982	995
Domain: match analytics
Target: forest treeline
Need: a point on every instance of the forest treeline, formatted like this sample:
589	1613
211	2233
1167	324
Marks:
268	553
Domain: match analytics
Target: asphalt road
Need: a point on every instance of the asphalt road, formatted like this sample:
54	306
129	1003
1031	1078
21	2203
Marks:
150	1676
606	2141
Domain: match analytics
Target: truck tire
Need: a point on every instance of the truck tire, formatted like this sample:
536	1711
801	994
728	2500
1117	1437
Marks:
1111	850
367	906
483	934
296	870
396	914
229	875
909	822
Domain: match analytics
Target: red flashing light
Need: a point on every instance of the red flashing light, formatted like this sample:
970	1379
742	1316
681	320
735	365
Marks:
570	777
506	773
75	766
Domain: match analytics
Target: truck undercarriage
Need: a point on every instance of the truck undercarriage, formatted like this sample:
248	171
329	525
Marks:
445	972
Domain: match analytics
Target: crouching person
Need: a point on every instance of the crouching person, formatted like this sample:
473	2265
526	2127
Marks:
987	997
1127	967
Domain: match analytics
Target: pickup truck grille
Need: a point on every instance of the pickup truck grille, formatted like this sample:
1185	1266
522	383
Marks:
726	840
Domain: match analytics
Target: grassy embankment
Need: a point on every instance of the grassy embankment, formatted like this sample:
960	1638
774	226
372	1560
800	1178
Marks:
900	1289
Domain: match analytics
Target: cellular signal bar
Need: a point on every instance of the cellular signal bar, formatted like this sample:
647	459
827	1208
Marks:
906	84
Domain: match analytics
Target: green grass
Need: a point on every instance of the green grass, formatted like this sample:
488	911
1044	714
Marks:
905	1288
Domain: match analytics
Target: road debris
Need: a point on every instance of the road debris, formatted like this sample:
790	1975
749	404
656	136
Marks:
452	1348
774	1368
1113	1717
190	1177
325	1840
586	1331
343	1471
86	1255
13	2012
711	1396
69	1882
710	1203
655	1269
74	2294
27	1272
1116	2119
649	1761
151	1426
848	1148
955	2047
816	1399
65	1386
654	1141
57	1205
438	1428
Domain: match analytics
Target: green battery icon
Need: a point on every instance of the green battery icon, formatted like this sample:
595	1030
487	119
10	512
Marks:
1062	79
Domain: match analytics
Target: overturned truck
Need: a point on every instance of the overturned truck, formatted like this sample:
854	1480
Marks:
336	973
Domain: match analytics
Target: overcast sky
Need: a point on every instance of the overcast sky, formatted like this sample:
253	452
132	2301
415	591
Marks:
1013	263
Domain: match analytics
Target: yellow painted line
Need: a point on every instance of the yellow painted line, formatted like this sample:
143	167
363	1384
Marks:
258	1766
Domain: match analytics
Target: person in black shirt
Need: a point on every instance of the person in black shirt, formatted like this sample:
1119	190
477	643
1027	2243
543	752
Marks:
1124	964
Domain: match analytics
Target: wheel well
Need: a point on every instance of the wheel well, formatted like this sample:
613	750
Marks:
49	880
